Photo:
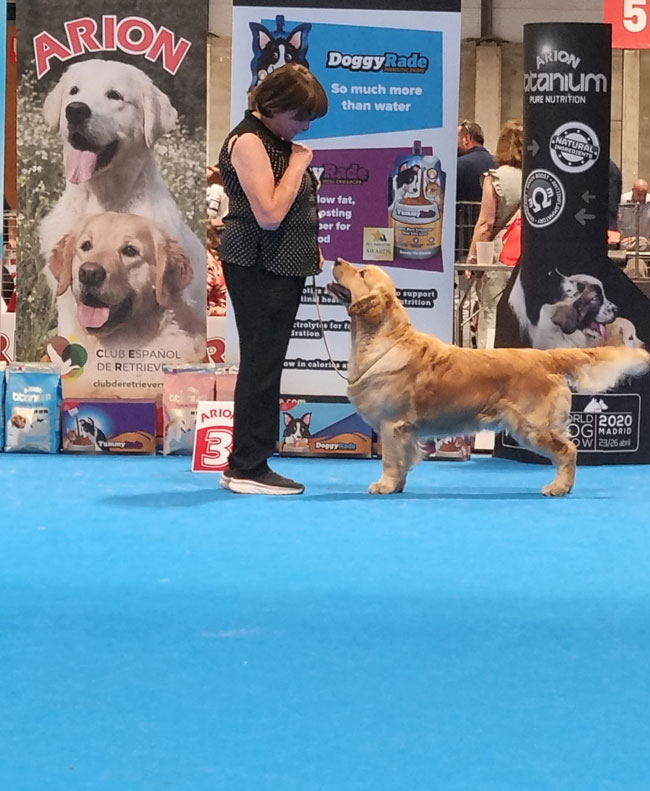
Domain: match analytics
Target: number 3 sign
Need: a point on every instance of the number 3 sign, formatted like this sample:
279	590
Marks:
630	23
213	437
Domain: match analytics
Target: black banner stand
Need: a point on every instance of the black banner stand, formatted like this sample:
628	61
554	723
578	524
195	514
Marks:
565	292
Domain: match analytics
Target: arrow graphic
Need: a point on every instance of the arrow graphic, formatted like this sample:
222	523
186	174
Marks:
533	148
587	196
582	216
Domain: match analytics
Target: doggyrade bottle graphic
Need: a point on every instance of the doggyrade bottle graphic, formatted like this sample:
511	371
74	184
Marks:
417	188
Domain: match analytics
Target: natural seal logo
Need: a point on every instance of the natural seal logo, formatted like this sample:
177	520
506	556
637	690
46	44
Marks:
574	147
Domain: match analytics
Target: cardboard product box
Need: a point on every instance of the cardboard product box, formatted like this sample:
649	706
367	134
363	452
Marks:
449	449
322	426
120	426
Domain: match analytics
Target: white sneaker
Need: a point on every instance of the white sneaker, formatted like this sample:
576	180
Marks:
266	482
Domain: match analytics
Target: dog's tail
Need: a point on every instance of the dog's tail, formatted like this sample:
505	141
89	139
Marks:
598	369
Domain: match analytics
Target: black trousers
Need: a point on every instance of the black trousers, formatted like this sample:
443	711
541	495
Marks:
265	308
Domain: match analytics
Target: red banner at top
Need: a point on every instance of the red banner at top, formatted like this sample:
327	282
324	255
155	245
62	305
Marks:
630	21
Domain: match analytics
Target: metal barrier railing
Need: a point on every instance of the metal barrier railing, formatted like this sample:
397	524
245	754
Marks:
9	255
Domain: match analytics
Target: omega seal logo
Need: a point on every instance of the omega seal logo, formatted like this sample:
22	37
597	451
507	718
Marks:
574	147
544	198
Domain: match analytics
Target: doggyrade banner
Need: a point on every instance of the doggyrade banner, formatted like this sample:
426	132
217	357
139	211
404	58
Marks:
385	155
566	292
111	170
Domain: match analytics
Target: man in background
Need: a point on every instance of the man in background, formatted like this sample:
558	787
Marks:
638	193
473	160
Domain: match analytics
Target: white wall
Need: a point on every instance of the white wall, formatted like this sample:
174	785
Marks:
508	21
510	16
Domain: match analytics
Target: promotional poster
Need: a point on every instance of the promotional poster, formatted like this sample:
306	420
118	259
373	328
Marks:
111	170
385	156
566	292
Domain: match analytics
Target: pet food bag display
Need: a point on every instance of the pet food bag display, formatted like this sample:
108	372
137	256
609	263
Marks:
3	367
183	387
94	426
225	381
417	191
322	426
32	408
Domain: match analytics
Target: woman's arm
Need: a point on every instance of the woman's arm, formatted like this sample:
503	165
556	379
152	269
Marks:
269	201
484	228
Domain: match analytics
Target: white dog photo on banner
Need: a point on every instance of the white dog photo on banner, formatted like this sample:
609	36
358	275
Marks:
109	115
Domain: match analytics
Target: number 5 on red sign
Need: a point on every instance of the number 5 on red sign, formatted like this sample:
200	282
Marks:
629	21
635	18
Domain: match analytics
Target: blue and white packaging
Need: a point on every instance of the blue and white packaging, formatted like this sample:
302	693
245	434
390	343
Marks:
32	418
3	366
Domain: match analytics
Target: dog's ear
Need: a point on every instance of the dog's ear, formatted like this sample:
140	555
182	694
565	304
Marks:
159	115
261	36
60	262
173	271
306	418
52	106
372	307
287	418
566	318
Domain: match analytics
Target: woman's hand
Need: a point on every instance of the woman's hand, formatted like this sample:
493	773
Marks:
301	155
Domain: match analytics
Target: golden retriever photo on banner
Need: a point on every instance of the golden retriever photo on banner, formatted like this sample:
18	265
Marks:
111	162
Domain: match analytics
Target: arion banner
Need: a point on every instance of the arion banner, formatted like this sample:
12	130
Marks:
111	189
385	154
566	292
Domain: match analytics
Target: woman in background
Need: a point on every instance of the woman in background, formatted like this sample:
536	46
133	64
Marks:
500	206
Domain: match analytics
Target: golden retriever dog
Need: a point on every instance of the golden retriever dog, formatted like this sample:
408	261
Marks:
120	280
410	385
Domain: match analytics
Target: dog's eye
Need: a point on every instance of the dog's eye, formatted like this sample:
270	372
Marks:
74	90
581	287
114	95
130	251
85	246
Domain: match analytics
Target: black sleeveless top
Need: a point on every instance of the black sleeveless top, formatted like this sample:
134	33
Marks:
292	248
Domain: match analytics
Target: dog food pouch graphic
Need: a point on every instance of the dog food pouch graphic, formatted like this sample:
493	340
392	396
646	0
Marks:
183	387
416	194
32	408
3	367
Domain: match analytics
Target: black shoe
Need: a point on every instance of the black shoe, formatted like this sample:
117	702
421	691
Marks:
264	482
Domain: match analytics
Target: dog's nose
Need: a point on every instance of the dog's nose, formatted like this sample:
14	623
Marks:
91	274
77	112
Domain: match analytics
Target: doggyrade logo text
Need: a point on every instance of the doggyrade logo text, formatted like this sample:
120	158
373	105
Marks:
414	63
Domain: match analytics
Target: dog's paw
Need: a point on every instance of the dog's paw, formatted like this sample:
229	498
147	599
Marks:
555	490
384	487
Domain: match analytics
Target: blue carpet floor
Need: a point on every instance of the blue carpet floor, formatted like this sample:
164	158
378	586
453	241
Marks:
160	634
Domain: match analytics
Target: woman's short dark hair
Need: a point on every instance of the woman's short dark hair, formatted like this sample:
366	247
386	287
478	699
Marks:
291	88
